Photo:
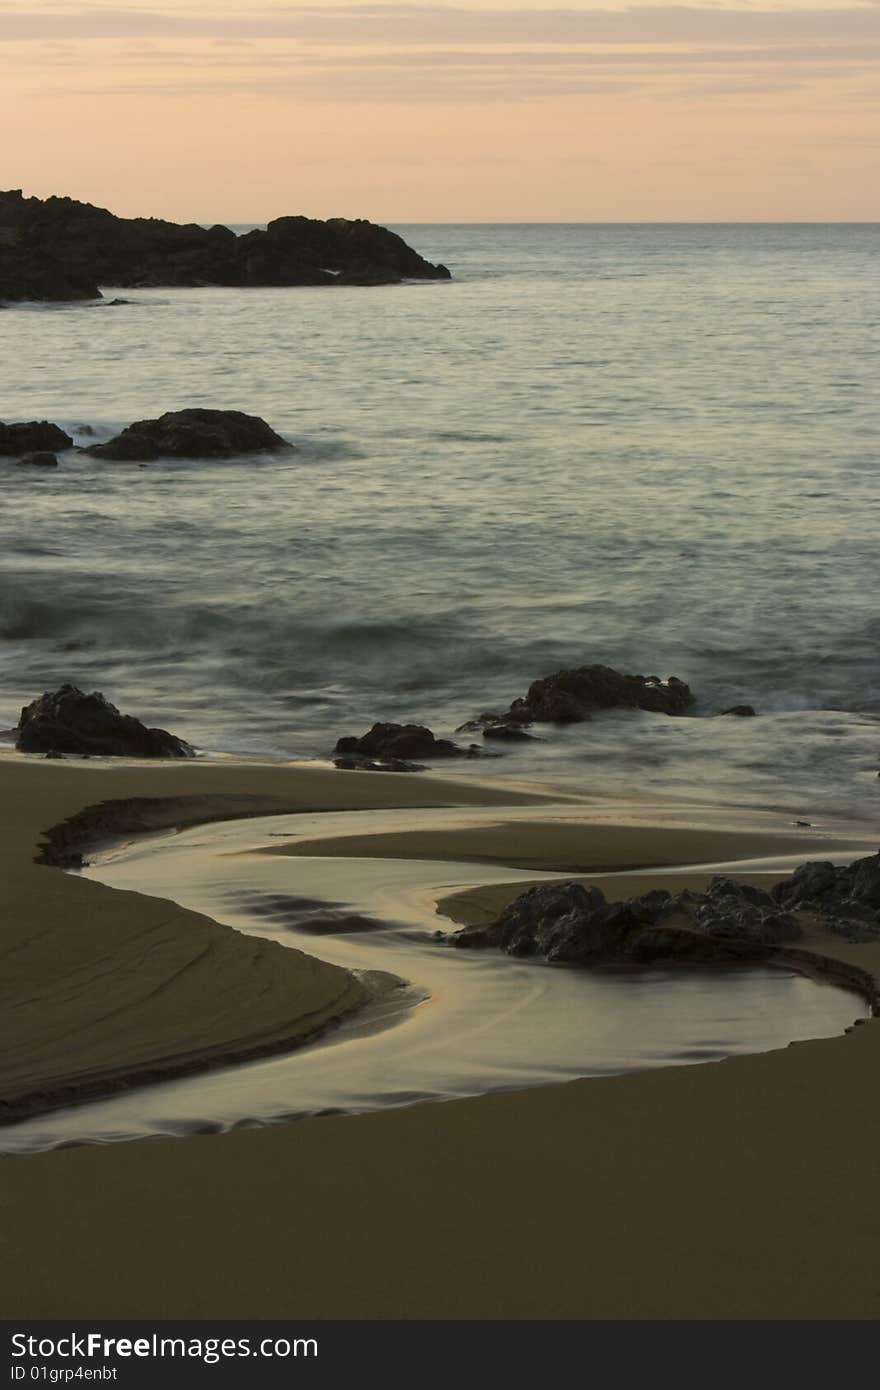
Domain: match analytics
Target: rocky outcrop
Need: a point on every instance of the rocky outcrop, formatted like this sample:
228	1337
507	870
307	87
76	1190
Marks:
570	697
846	898
192	434
507	732
352	763
573	923
30	272
61	249
576	925
68	721
30	437
400	742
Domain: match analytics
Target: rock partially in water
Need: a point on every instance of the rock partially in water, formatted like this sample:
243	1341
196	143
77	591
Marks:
740	711
192	434
570	697
508	733
31	272
352	763
69	721
400	741
32	437
573	923
61	249
42	459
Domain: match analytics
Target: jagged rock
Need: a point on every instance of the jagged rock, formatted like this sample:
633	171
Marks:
38	460
741	711
846	897
569	697
192	434
853	929
32	437
59	248
390	741
808	883
68	721
574	924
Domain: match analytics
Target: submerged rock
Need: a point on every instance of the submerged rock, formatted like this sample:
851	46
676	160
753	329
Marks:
192	434
570	697
43	459
508	733
355	764
68	721
32	437
401	741
740	711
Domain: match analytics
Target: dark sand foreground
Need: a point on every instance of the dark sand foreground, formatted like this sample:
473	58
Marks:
746	1188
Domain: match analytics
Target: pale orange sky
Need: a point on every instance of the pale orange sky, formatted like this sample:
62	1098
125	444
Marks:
506	111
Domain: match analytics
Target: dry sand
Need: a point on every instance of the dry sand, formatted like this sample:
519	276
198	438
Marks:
746	1188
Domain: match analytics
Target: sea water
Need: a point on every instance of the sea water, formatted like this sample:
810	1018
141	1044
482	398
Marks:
649	446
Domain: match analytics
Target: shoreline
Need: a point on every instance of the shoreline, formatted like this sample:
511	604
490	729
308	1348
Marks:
328	994
94	1006
551	1178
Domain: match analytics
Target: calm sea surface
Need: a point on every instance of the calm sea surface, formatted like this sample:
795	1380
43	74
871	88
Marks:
654	447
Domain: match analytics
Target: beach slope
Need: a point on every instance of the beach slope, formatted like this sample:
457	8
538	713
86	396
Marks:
740	1189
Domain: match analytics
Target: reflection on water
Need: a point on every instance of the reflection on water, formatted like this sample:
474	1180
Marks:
465	1023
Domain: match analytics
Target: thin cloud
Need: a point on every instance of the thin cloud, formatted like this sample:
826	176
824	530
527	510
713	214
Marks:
408	25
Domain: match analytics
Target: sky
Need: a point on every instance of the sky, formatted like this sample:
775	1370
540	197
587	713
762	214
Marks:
497	111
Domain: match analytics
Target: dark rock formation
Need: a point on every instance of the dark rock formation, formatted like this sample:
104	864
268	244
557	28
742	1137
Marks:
568	697
61	249
846	898
192	434
573	923
741	711
576	925
68	721
30	270
400	741
30	437
39	460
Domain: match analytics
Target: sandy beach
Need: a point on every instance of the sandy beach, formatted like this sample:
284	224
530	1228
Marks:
745	1188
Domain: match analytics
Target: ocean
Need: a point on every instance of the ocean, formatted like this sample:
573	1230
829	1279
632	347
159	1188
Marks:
653	447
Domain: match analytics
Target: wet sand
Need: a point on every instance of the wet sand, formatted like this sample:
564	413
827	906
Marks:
100	990
745	1188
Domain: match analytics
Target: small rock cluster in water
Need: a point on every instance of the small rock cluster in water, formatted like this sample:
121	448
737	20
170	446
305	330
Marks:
567	697
394	744
575	924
